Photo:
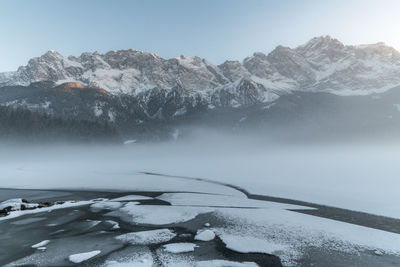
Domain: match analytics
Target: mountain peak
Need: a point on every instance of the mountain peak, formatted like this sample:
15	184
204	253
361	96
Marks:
52	53
324	39
259	54
321	43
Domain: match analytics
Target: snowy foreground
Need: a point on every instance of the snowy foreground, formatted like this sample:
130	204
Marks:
143	230
241	225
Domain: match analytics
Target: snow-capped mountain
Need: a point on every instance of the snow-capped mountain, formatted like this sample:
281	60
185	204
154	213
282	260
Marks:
124	71
322	64
138	90
325	64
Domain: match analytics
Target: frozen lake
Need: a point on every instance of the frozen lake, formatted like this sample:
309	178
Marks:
362	178
303	204
188	229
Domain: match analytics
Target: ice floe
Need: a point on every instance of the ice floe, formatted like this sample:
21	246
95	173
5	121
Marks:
248	244
80	257
179	247
204	235
147	237
137	256
41	244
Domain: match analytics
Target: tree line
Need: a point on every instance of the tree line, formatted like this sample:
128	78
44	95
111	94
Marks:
23	124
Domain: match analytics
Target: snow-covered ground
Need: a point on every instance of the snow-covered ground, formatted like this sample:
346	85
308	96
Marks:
248	227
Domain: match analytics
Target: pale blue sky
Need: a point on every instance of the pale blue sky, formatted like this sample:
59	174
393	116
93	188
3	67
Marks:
213	29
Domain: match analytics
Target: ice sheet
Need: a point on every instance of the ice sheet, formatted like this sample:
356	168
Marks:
157	214
288	233
212	200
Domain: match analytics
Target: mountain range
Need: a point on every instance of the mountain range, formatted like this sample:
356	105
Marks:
133	89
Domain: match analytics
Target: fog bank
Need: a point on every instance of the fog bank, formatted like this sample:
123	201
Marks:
361	177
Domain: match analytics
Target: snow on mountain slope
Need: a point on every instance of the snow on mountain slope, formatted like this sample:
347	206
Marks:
322	64
124	71
325	64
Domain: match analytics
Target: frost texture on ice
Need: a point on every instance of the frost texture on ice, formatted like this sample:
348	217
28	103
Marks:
225	263
139	256
147	237
157	215
289	233
204	235
179	247
80	257
175	259
130	263
248	244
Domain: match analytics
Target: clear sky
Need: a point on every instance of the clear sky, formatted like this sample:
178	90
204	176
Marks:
213	29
